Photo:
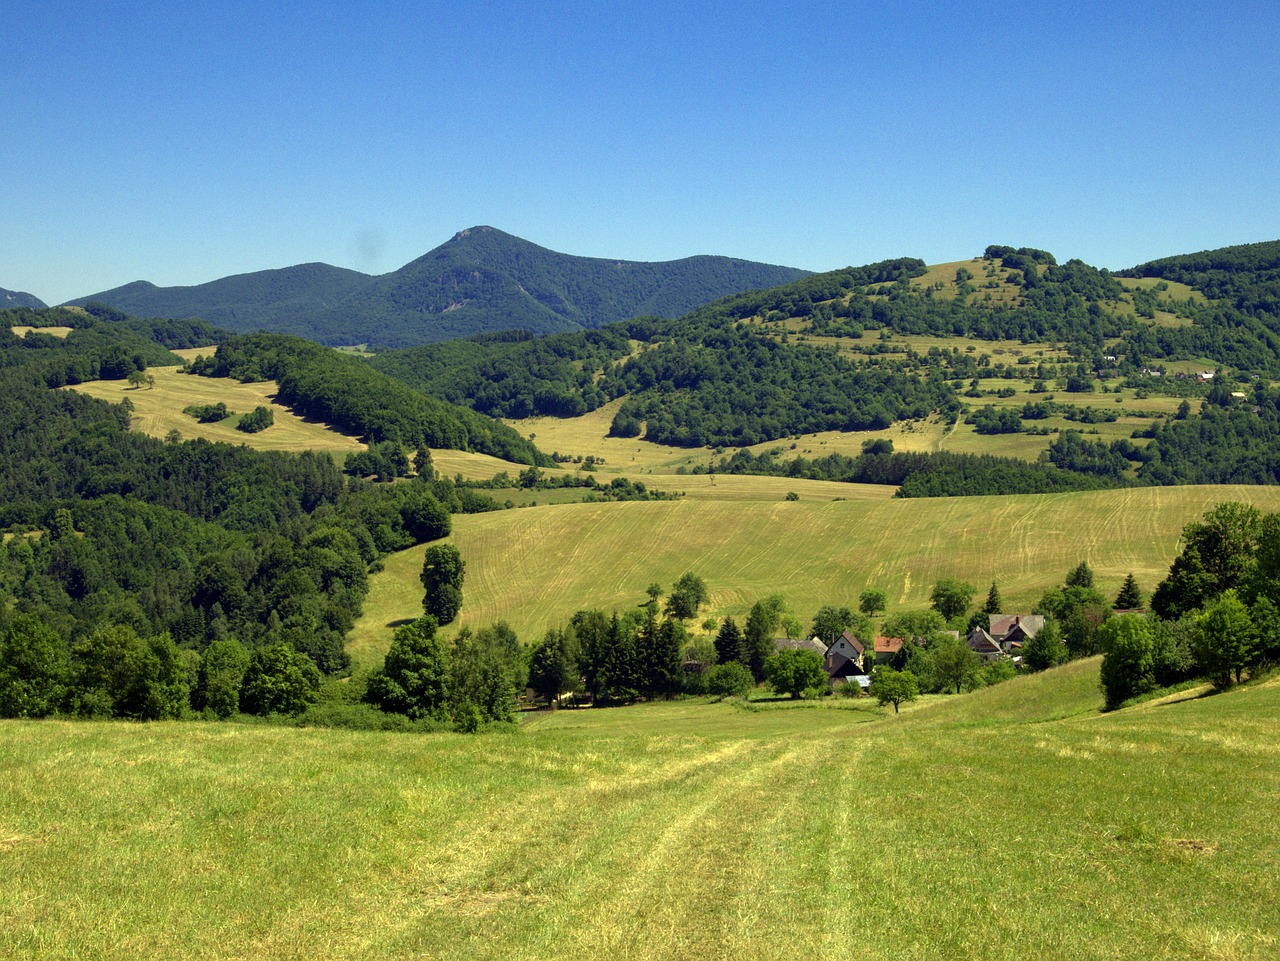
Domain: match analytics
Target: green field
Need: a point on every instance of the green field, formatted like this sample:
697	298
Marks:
158	410
535	567
1012	823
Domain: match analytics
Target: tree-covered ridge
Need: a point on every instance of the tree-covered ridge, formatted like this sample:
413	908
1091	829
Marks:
1246	277
17	298
515	374
346	392
195	543
97	348
481	280
731	387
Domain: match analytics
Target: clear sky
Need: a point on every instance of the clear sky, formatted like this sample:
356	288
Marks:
148	141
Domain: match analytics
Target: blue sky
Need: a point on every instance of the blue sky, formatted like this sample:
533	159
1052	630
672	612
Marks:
146	141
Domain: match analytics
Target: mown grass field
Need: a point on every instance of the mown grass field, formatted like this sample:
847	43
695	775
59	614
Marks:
158	410
22	330
535	567
1012	823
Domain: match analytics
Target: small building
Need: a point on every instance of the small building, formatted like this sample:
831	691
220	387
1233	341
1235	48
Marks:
796	644
886	648
984	645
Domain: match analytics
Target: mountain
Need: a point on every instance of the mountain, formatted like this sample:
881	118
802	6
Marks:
480	281
16	298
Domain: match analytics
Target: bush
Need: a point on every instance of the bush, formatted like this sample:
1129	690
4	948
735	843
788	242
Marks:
260	419
730	680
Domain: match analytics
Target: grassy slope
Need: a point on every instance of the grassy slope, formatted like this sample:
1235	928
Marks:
1012	823
158	410
535	567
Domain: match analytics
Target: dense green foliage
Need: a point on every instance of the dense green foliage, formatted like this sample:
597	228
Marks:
145	579
481	280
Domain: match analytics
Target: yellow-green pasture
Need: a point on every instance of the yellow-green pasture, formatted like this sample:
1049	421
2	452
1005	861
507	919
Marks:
535	567
158	410
1015	822
22	330
589	434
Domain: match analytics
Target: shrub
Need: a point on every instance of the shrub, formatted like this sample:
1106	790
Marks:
729	680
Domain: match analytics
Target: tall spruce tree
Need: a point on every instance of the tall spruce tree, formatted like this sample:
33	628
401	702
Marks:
1130	596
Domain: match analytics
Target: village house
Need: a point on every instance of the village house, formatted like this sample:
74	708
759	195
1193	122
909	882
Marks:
843	659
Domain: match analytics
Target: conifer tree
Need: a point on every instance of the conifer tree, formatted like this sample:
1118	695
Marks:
729	642
1130	596
994	603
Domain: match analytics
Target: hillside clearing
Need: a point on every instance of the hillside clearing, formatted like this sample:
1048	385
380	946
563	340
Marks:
535	567
158	410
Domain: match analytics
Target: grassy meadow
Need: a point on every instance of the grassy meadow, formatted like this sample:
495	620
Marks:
1016	822
535	567
158	410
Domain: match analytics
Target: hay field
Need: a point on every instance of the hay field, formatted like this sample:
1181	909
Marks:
669	830
22	330
534	567
158	410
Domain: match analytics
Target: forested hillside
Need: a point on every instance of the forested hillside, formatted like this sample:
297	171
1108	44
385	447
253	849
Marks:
10	299
345	392
481	280
824	353
134	553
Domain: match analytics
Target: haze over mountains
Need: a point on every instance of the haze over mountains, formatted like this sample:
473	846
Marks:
481	280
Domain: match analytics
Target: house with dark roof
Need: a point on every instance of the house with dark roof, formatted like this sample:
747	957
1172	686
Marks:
1011	631
984	645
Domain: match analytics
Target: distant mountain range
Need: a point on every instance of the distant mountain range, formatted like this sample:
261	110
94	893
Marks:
480	281
16	298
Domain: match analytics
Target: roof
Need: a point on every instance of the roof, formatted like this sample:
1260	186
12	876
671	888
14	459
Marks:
838	665
1002	624
888	645
852	640
982	642
795	644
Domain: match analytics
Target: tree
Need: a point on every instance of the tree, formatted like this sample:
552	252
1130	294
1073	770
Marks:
422	465
729	643
762	622
257	420
730	679
443	571
994	604
830	622
552	667
136	378
1046	649
893	687
951	598
917	627
1225	640
414	679
1081	576
1128	665
222	670
279	680
688	594
795	670
954	662
872	601
485	670
116	673
33	669
1130	596
660	647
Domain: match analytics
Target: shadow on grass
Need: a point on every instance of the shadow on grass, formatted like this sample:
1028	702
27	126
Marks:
401	621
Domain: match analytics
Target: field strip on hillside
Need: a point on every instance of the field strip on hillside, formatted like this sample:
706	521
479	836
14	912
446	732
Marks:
535	567
158	410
